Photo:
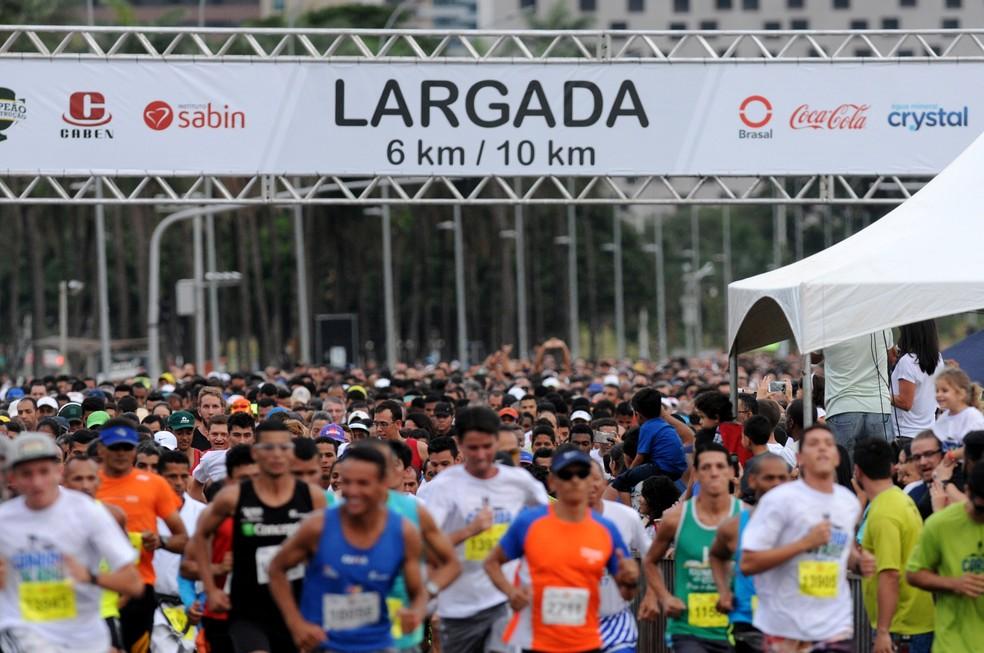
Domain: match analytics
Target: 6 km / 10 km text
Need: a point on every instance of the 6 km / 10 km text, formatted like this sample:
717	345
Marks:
522	152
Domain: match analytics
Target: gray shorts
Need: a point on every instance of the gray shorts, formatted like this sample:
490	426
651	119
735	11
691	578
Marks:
479	633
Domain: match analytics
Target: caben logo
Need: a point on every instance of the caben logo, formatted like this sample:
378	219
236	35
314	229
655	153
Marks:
87	113
12	111
158	115
755	112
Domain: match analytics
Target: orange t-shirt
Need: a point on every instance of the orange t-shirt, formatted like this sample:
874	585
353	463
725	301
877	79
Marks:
143	497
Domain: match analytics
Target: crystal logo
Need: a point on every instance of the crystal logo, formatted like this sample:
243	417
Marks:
755	112
12	111
158	115
87	113
915	117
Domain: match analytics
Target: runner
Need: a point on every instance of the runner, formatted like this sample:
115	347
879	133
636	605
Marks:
566	549
800	556
474	504
51	544
619	630
898	612
763	472
265	512
355	552
949	561
694	623
143	497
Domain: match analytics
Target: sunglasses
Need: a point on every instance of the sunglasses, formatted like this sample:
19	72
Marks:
121	447
567	474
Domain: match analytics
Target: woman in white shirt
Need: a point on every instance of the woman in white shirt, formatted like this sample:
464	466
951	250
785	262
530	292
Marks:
913	379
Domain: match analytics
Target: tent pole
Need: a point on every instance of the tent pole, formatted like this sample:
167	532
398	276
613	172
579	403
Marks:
733	379
807	392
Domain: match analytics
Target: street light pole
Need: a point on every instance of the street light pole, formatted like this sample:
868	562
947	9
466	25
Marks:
619	290
726	258
660	290
389	303
575	332
102	279
522	334
459	287
213	290
199	275
695	253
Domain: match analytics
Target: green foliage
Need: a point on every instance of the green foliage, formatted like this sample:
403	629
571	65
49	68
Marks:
560	17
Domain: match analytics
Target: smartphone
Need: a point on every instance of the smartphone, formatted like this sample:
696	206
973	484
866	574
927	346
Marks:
777	386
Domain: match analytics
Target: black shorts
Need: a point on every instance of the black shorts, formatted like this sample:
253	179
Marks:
137	620
115	632
248	636
217	635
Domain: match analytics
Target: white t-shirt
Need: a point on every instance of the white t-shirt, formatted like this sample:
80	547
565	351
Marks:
923	412
454	497
212	467
33	543
856	375
784	515
951	428
629	525
167	565
785	452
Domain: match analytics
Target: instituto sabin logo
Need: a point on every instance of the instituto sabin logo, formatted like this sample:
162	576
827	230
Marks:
12	111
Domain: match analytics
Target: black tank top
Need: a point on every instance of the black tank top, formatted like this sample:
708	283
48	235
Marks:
258	531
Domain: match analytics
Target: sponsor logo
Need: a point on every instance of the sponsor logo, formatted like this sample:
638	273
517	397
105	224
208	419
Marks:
159	115
915	117
12	110
755	112
847	116
87	114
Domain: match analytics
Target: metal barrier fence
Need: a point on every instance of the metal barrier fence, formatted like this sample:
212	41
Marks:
652	634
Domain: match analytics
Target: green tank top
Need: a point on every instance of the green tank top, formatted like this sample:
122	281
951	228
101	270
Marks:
693	582
405	506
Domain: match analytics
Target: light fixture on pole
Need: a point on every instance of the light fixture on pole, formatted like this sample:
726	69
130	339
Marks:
455	227
65	288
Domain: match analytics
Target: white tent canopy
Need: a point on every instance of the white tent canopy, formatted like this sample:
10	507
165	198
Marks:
923	260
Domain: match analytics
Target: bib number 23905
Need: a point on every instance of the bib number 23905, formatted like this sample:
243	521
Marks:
818	578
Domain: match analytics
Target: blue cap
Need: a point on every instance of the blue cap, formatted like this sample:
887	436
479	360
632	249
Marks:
525	458
276	409
568	458
14	393
595	388
119	434
333	431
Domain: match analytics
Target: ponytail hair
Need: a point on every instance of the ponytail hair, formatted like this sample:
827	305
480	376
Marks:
959	379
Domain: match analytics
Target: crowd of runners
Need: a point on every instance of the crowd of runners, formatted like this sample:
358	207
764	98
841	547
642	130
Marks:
541	505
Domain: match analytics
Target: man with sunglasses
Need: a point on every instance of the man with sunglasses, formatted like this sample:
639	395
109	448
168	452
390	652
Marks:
265	512
949	561
143	497
927	454
567	547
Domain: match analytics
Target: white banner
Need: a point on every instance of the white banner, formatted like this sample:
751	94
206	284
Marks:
70	117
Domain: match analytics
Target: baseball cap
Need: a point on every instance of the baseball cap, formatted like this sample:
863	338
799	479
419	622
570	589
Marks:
48	401
240	405
442	409
595	388
181	420
300	395
517	392
581	414
72	412
96	418
358	414
167	377
511	412
333	431
525	458
382	383
275	410
551	382
357	390
166	439
12	408
31	446
358	424
568	458
119	434
611	379
14	393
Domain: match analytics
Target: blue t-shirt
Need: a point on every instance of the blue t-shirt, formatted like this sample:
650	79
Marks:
661	446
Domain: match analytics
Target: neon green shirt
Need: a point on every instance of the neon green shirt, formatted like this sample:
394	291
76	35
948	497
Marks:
890	533
951	545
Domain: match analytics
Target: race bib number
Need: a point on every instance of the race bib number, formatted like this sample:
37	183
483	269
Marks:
136	541
264	555
349	611
478	547
564	606
42	601
393	607
702	611
818	578
178	620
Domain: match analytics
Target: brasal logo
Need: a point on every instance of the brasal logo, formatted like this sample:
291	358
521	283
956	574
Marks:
847	116
158	115
87	109
755	111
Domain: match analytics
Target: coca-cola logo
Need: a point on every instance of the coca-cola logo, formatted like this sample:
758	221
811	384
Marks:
846	116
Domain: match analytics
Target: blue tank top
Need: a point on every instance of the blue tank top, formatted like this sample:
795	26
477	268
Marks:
744	586
405	506
345	587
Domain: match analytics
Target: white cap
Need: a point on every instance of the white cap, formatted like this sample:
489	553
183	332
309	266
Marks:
167	387
581	414
551	382
671	402
48	401
12	408
382	383
76	397
358	414
517	392
166	439
300	395
611	379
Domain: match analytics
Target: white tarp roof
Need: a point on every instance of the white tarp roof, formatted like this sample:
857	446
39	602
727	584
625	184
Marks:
925	259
